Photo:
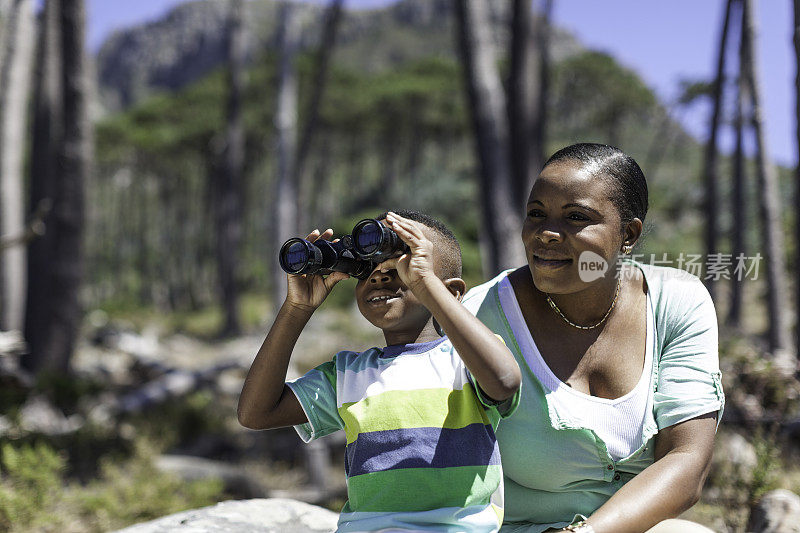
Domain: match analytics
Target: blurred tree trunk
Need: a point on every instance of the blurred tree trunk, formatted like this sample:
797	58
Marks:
229	177
768	195
284	207
527	94
539	133
710	176
796	4
523	89
500	212
5	13
739	208
333	16
56	314
15	79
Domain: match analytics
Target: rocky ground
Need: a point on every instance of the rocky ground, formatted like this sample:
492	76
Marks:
271	476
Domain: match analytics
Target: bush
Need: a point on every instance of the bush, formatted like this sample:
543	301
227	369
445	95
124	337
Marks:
36	496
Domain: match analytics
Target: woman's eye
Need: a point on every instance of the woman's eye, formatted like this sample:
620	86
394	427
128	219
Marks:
535	213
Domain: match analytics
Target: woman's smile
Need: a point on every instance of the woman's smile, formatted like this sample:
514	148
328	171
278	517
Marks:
544	262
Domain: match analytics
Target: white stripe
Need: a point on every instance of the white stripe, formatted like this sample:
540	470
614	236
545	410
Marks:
406	372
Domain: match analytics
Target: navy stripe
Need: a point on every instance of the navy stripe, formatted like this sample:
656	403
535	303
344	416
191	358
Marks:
375	451
393	350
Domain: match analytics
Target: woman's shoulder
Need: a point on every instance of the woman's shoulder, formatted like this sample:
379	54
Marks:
478	293
675	292
670	281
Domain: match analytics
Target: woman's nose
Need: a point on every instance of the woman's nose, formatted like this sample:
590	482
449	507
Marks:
548	233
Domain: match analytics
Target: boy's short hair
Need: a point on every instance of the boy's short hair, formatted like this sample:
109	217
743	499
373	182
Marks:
445	241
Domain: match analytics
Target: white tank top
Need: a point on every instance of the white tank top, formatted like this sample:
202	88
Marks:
618	422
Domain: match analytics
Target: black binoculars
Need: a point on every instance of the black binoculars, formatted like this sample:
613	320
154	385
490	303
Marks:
370	243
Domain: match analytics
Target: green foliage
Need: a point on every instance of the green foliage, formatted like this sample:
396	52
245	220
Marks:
183	420
768	467
31	482
136	491
693	90
36	495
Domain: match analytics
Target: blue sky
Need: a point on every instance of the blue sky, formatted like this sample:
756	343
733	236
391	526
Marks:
663	41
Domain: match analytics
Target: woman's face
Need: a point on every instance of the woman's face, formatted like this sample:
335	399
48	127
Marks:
571	228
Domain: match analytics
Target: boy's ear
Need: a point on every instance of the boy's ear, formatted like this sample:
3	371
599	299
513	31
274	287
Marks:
457	287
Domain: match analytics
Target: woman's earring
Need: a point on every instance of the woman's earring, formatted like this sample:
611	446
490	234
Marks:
627	249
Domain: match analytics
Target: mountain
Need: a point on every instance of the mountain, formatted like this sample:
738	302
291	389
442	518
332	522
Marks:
188	42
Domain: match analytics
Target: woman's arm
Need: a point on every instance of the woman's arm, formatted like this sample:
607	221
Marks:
669	486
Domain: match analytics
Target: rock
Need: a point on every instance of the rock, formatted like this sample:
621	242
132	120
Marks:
777	512
734	458
38	415
237	481
256	516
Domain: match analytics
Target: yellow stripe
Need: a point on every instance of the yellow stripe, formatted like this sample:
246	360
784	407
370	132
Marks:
444	408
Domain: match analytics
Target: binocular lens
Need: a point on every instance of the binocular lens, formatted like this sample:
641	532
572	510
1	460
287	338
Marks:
373	240
298	254
368	237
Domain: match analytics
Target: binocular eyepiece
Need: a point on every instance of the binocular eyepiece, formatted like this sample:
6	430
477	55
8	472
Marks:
371	242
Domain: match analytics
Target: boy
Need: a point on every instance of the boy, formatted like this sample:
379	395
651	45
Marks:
419	414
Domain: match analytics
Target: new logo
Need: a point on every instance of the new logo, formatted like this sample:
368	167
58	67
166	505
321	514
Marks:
591	266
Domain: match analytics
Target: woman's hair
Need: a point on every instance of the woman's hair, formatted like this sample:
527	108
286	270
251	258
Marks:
628	187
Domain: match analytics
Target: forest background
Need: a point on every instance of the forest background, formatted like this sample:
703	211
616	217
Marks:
145	191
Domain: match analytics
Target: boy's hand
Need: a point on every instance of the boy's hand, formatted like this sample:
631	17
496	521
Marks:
416	267
306	292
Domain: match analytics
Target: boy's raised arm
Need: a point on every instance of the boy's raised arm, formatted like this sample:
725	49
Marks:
486	356
266	402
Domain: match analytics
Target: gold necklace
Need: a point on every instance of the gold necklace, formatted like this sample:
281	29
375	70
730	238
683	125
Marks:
573	324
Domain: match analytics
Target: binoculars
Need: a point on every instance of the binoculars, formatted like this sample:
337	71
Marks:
370	243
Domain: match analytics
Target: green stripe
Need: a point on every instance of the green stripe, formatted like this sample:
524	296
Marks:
422	489
437	408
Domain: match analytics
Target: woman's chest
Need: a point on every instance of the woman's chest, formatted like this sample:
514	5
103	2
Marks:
608	366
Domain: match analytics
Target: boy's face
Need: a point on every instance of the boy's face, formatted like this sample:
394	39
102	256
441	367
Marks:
387	303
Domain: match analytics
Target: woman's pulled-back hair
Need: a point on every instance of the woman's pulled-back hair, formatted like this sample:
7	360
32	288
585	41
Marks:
629	187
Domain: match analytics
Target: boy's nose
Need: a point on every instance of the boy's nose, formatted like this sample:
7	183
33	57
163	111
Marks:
380	275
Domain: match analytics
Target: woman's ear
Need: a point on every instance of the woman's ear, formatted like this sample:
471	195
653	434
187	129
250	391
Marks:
457	287
633	230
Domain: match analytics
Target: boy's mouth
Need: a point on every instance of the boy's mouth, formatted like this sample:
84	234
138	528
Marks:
382	297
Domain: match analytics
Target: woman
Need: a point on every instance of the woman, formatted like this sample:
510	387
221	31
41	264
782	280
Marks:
621	383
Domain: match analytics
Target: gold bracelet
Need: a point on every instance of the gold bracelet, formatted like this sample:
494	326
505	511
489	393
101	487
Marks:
580	527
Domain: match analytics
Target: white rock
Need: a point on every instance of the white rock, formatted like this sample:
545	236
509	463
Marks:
777	512
274	515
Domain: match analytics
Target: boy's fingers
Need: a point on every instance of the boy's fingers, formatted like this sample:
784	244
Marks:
389	264
314	235
334	278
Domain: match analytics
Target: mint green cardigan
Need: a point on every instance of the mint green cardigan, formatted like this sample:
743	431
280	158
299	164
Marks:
554	469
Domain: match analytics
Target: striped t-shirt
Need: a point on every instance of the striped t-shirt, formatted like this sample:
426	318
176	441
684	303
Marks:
421	451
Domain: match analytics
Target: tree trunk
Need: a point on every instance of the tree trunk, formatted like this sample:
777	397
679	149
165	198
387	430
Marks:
739	208
229	178
796	4
15	79
710	177
53	340
769	200
333	16
5	14
539	130
527	94
47	132
523	88
284	205
500	213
